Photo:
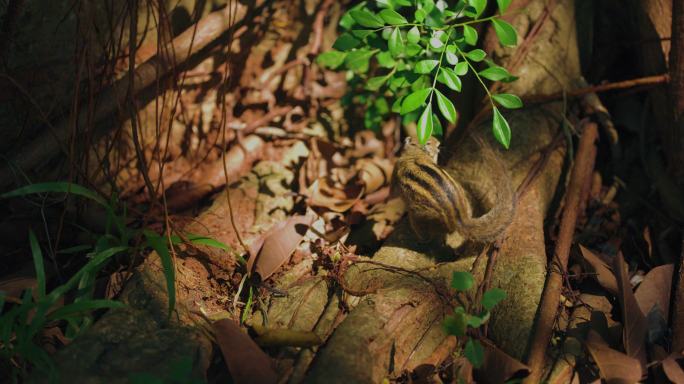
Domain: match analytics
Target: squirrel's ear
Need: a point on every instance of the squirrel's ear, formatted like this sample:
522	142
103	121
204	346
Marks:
407	140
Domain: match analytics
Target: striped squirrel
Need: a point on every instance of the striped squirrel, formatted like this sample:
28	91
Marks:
437	204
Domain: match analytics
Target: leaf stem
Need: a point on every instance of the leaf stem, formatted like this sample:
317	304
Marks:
477	75
439	66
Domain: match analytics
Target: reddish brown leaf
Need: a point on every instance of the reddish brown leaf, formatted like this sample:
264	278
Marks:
655	289
673	370
278	245
183	195
374	173
634	321
602	271
499	367
334	199
14	286
615	367
246	362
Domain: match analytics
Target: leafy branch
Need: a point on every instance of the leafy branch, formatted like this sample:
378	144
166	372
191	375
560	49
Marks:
420	43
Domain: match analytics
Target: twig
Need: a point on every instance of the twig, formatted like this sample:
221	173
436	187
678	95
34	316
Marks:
317	33
133	109
231	19
548	307
574	93
184	46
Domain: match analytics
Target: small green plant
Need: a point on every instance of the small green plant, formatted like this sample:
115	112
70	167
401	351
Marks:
463	318
22	323
397	51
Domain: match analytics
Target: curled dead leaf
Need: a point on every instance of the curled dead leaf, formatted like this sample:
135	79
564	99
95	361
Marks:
277	245
634	321
337	200
246	361
615	367
374	173
602	271
655	289
673	370
499	367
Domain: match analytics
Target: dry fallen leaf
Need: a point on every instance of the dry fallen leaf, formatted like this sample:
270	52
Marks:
282	337
334	199
278	245
374	173
245	360
673	370
13	287
655	289
634	321
615	367
500	367
603	274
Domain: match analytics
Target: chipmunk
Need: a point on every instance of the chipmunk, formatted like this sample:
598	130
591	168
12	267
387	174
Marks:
438	204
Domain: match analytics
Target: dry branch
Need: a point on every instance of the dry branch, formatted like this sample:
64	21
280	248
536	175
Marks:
548	308
188	43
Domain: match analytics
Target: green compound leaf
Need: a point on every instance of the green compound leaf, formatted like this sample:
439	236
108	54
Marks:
455	324
346	42
413	49
392	17
396	106
437	128
448	77
358	60
374	83
424	127
505	33
503	5
424	67
436	43
508	100
450	54
419	15
414	100
462	281
476	55
361	33
366	18
413	35
474	352
461	68
495	73
470	35
501	129
479	6
446	107
331	59
385	60
492	297
396	44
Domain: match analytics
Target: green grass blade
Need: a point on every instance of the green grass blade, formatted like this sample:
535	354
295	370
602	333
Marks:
38	263
83	306
208	241
160	246
57	187
92	265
